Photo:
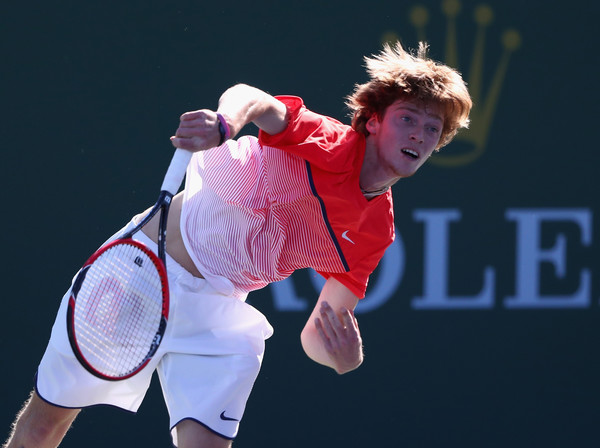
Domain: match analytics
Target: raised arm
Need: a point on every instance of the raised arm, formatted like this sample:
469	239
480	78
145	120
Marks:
331	335
239	105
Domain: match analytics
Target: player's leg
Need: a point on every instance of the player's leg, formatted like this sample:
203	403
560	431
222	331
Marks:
214	354
191	434
40	424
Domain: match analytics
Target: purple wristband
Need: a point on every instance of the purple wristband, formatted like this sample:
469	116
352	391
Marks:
223	129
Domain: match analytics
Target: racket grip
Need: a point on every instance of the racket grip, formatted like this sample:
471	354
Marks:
176	171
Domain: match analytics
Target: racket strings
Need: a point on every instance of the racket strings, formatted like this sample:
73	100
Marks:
119	310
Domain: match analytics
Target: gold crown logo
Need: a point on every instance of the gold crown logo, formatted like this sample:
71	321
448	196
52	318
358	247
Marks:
483	110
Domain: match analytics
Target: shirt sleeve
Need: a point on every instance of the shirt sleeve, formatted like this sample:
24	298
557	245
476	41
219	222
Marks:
296	131
311	136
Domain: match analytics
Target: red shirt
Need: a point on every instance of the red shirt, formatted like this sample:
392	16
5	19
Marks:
255	211
359	229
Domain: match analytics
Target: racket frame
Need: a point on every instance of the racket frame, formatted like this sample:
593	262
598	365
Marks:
156	340
171	183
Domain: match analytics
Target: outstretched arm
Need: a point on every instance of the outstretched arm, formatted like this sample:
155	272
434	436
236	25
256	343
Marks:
239	105
331	336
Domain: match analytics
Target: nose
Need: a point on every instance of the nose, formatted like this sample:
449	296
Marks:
417	135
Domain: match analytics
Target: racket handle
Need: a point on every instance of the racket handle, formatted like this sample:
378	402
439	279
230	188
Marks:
176	171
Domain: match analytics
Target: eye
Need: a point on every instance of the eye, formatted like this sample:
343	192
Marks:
433	130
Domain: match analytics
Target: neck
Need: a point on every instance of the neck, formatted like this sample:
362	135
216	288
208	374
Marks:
372	193
373	180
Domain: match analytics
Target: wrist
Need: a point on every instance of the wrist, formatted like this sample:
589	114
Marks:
224	129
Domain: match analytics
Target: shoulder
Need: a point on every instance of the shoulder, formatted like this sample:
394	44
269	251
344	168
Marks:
304	124
293	103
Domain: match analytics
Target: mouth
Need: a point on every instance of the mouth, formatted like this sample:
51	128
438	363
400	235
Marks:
410	153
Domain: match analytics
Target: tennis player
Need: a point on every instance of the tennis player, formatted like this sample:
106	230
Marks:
308	192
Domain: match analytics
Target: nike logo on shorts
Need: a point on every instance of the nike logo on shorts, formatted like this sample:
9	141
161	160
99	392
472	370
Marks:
228	419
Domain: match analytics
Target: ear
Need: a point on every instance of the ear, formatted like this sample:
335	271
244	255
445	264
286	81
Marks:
372	124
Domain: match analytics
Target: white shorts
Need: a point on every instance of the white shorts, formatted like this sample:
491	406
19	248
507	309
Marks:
207	362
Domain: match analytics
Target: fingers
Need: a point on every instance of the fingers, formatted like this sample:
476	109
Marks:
204	117
198	130
350	319
337	328
195	114
330	322
340	336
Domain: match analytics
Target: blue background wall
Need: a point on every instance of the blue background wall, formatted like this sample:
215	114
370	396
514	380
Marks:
91	92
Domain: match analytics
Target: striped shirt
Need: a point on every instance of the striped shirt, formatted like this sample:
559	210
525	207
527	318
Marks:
256	210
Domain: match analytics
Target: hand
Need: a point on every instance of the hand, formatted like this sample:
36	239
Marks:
197	131
341	338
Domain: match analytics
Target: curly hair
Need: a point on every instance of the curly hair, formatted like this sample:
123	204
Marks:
397	74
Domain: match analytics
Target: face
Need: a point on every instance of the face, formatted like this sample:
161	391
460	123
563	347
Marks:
405	137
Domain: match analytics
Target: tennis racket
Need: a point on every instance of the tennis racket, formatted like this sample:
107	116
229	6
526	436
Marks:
119	303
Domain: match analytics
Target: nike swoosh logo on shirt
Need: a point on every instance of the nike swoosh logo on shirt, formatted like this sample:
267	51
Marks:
228	419
346	237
